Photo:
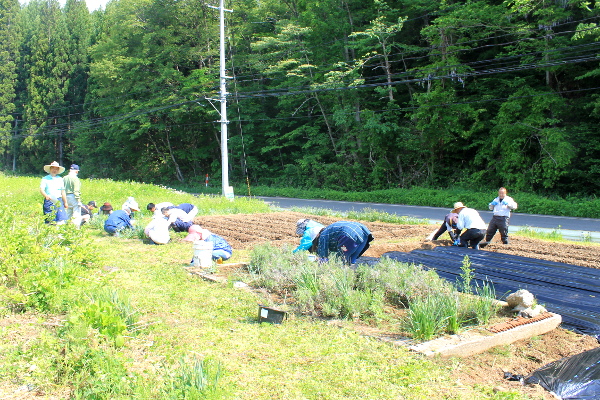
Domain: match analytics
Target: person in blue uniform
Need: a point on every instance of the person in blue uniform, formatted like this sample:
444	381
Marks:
348	240
117	221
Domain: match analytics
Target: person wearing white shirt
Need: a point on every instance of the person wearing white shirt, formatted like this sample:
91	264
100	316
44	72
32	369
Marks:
502	206
469	219
157	208
158	230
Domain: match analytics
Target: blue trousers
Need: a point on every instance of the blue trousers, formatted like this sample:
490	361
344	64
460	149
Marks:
50	207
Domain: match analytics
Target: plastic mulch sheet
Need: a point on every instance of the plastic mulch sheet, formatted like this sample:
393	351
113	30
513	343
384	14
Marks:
576	377
569	290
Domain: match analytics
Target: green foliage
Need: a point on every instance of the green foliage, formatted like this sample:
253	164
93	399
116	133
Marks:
196	379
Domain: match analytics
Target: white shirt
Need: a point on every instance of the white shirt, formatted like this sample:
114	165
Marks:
175	213
158	230
501	209
469	218
158	209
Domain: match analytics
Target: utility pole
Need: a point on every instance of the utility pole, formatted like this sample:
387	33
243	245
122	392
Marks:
226	190
14	160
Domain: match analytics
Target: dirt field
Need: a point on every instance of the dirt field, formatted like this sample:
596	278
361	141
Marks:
523	357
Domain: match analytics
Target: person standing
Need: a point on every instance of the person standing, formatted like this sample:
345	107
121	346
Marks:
502	206
349	240
469	219
52	187
73	191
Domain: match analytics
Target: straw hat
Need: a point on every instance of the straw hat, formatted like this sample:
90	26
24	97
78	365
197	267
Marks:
54	164
458	206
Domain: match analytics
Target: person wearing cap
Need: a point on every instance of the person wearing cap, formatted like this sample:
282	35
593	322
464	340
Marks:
449	225
73	191
309	230
221	249
502	206
87	211
348	240
158	230
106	209
469	219
156	209
52	187
117	221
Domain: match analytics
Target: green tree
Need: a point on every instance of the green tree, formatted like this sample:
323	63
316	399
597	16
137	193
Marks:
9	54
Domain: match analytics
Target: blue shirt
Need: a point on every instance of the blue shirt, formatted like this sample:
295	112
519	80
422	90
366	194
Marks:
331	234
187	207
218	242
52	186
311	230
118	219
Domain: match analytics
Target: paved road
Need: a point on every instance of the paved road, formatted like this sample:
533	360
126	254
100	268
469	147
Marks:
438	213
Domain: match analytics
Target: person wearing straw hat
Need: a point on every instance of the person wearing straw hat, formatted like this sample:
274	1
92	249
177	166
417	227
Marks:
469	219
309	230
73	191
52	187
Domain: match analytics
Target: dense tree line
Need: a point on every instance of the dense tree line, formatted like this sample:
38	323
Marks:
331	93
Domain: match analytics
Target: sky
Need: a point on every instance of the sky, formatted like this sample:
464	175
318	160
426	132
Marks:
91	4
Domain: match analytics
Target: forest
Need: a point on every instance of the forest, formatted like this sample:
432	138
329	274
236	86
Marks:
335	94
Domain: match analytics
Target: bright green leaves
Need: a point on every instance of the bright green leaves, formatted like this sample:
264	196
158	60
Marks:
528	147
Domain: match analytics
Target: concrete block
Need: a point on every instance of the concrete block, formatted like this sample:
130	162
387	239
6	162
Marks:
478	341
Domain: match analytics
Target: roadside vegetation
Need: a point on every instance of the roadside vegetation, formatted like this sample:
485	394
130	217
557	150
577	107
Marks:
585	207
89	316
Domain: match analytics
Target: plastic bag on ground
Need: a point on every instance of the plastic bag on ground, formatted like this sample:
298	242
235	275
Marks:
575	377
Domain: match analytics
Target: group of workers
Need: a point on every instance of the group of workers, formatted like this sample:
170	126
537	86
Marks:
476	229
348	240
62	203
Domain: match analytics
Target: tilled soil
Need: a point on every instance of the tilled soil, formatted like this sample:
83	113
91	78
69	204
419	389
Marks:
243	231
520	358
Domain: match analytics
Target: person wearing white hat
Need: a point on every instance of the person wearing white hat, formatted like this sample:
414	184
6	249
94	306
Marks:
469	219
130	205
52	187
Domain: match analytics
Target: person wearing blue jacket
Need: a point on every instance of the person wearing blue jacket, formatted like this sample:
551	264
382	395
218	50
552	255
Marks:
221	249
117	221
349	240
309	230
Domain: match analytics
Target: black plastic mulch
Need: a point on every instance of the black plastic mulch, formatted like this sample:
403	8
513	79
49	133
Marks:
569	290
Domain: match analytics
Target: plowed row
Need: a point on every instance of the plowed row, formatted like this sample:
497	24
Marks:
243	231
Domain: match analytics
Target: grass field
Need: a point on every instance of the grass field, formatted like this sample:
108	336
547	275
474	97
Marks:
90	316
